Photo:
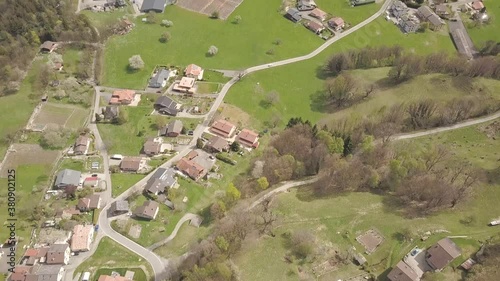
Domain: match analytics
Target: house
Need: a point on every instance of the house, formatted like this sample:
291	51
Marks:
67	177
409	23
152	147
89	203
122	97
442	253
130	164
113	278
160	181
81	145
185	85
82	237
217	144
398	9
314	26
336	23
33	256
58	66
148	210
48	46
58	254
42	272
426	14
166	105
319	14
194	71
468	264
361	2
223	128
402	272
477	5
293	15
110	112
120	3
153	6
119	207
160	79
442	10
90	182
306	5
248	138
173	129
191	168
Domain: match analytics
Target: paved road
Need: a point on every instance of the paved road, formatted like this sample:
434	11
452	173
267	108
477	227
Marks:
185	218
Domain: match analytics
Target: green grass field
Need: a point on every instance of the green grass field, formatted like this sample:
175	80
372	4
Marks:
483	33
339	219
343	9
71	59
110	254
122	182
106	19
297	82
139	274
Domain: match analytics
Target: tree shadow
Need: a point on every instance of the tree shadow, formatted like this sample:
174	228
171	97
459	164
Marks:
319	104
265	104
129	70
493	176
322	74
207	218
383	275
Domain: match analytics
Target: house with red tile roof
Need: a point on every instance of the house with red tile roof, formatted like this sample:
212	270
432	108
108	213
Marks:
477	5
336	23
82	238
223	128
122	97
314	26
319	14
191	168
248	138
194	71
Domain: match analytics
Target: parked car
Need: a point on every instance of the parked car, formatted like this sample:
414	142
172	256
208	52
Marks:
190	133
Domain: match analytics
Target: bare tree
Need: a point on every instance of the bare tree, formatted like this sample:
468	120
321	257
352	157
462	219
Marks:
340	90
421	113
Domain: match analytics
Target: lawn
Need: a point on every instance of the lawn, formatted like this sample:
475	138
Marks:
63	115
103	20
110	254
73	164
122	182
485	32
207	88
25	101
240	45
71	59
139	274
338	220
297	83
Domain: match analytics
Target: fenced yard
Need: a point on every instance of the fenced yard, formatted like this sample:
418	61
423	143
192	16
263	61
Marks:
224	7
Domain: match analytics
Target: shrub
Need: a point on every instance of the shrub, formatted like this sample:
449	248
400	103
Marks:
225	159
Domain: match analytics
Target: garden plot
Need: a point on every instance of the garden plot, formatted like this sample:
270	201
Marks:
370	240
61	115
223	7
22	154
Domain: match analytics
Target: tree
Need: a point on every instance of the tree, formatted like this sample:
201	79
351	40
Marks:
232	193
334	144
237	19
421	113
213	50
135	62
277	42
214	15
273	97
302	243
263	183
165	37
235	146
122	117
199	143
218	209
167	23
54	138
222	243
151	17
340	90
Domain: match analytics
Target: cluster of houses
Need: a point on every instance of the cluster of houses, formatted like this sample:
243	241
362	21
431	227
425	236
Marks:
436	258
227	130
186	85
45	262
409	20
315	17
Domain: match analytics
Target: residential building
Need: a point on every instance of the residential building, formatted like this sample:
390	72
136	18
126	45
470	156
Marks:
166	105
42	272
33	256
67	177
361	2
122	97
192	169
89	203
160	181
319	14
426	14
306	5
293	15
148	210
217	144
442	10
194	71
152	147
110	112
223	128
48	46
409	23
58	254
248	138
81	145
173	129
477	5
314	26
130	164
402	272
82	238
160	79
442	253
119	207
398	9
157	6
91	182
185	85
336	23
113	278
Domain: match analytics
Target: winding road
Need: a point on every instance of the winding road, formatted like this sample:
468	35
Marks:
159	264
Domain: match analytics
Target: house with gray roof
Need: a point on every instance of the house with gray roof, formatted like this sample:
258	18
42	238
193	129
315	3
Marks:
293	15
148	210
46	273
67	177
160	181
398	9
306	5
173	129
119	207
153	6
166	105
159	80
426	14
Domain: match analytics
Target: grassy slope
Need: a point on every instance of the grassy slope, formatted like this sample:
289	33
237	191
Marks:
481	34
122	182
240	45
357	212
297	82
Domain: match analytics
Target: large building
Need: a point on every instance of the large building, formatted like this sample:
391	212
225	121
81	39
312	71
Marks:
67	177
